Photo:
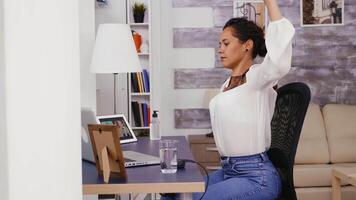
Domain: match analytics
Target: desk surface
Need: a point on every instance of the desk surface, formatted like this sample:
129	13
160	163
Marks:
147	179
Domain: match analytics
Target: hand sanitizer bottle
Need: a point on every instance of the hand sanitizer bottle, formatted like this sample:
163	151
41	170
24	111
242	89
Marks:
154	127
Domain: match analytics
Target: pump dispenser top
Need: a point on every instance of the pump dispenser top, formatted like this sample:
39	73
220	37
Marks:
155	113
154	127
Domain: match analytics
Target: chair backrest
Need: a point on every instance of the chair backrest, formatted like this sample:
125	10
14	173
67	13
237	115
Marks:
291	106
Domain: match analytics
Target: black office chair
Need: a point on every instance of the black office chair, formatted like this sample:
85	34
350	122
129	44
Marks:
291	105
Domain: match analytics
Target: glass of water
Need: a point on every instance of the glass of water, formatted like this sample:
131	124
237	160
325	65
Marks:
168	156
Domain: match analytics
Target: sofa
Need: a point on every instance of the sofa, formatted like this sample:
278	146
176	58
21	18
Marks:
328	140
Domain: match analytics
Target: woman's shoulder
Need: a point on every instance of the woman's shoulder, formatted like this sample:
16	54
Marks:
253	68
252	74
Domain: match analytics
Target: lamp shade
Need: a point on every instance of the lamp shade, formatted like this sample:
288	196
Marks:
114	50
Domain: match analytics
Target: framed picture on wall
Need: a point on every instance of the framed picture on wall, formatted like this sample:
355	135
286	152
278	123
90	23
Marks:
322	12
254	10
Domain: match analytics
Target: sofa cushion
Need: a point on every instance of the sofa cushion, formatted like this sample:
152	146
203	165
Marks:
313	193
344	165
340	123
315	175
313	147
324	193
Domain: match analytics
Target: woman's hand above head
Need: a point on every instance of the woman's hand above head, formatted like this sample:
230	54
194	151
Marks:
273	10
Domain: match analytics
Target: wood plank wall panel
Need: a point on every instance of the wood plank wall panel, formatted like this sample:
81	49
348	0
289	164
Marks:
192	118
214	3
328	85
323	57
201	3
200	78
196	37
221	15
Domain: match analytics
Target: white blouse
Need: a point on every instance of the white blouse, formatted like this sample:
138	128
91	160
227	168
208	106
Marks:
241	116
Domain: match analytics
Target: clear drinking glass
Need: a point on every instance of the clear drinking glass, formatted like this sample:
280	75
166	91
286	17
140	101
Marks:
168	155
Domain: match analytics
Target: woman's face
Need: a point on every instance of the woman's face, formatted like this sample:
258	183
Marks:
231	49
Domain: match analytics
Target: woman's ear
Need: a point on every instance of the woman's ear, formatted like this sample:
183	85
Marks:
249	44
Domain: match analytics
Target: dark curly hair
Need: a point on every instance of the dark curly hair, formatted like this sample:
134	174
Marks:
245	30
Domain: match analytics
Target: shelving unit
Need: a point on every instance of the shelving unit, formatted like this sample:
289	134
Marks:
139	24
140	93
143	54
142	97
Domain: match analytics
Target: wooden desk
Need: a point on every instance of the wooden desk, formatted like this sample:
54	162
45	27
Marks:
347	174
204	151
147	179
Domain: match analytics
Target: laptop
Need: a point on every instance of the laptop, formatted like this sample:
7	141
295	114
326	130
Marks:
132	158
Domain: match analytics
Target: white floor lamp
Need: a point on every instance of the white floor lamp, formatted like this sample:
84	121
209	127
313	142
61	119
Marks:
114	52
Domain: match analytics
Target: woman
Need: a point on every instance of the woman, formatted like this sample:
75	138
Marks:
241	113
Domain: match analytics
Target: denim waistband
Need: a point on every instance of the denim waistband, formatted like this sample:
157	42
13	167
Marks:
260	157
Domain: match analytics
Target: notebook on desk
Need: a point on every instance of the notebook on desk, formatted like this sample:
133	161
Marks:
132	158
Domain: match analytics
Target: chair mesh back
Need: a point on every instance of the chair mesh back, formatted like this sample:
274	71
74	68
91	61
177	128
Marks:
291	106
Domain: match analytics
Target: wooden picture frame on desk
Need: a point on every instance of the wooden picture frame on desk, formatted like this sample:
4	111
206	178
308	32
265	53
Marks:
107	151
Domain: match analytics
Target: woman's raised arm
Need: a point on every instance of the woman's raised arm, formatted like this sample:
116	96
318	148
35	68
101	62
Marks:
277	62
273	10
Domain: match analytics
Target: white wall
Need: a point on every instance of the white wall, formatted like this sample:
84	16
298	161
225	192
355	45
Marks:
156	55
114	12
3	147
87	79
87	38
181	58
42	77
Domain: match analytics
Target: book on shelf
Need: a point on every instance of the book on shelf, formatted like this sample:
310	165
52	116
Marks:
134	83
141	114
140	82
146	80
149	115
135	113
143	82
144	112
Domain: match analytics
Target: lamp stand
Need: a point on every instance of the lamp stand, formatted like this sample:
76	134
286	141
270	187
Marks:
115	76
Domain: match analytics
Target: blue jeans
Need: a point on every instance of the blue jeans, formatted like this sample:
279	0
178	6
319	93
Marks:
243	178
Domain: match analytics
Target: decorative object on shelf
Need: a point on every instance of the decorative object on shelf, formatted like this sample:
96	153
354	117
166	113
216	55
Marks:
138	41
144	47
139	10
114	52
322	12
254	10
102	3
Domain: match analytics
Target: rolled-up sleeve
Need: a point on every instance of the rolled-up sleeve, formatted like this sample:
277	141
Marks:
277	61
